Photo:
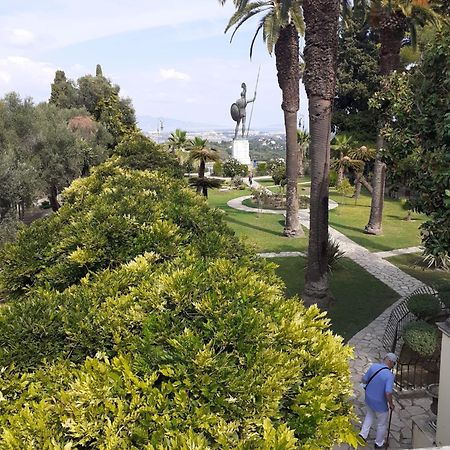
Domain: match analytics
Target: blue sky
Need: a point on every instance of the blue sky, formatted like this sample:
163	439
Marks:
170	56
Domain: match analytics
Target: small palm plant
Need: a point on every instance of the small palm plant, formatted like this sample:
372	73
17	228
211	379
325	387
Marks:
200	152
177	140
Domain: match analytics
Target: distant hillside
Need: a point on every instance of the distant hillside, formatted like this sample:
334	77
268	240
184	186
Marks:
150	124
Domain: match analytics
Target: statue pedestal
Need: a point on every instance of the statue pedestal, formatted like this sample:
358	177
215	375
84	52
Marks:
240	151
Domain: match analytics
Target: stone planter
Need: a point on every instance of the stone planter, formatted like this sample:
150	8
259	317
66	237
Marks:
433	392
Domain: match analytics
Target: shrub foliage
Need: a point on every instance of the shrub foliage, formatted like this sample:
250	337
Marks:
136	319
421	337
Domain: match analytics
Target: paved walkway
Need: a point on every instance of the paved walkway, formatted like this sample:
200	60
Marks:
367	343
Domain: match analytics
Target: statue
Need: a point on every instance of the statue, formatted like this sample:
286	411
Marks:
238	110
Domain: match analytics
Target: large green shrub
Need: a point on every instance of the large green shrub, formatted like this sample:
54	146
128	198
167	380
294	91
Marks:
424	306
225	361
421	337
139	152
233	168
108	219
136	319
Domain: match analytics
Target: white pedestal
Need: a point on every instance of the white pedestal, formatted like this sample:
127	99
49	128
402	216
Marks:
240	151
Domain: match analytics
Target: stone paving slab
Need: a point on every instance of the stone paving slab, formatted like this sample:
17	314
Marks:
281	254
399	251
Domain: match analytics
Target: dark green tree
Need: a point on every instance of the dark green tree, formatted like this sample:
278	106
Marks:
61	158
98	71
19	176
357	79
64	93
417	130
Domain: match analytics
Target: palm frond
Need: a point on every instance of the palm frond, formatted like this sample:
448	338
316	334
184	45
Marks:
261	24
297	19
271	30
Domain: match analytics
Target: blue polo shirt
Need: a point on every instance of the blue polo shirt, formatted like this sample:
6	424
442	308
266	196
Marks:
382	383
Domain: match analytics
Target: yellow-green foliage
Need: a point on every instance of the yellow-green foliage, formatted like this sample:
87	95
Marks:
136	320
224	360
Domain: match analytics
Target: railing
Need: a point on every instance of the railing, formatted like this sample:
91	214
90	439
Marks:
417	373
400	316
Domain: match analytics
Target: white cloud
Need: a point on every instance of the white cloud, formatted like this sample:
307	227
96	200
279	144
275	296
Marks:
172	74
21	37
25	76
75	22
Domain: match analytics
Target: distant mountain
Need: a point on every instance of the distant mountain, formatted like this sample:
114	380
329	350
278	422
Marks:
152	124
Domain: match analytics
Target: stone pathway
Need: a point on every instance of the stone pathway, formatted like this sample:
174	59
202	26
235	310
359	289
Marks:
367	343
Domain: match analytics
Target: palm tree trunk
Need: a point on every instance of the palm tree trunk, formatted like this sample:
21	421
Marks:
340	177
362	180
392	30
321	40
288	71
201	174
376	207
316	280
53	198
301	161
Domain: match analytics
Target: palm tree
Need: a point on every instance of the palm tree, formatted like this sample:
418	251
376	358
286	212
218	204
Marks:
321	41
303	143
281	23
391	19
199	151
342	146
177	140
364	155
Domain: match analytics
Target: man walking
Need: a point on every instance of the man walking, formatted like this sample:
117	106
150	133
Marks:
379	383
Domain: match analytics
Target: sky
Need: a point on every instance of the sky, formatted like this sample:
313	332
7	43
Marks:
171	57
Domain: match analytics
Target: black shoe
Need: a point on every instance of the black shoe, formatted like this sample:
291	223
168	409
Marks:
378	446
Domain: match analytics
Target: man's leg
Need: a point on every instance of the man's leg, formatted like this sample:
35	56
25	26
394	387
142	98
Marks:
243	126
381	427
368	421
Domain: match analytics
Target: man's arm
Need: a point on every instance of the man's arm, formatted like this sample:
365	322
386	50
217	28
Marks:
388	391
389	400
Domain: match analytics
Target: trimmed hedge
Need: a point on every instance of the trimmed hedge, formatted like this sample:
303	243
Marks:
108	219
136	319
223	358
424	306
421	337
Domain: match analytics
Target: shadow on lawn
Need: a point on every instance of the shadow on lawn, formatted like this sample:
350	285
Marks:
363	238
246	224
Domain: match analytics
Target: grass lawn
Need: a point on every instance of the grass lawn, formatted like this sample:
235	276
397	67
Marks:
360	297
263	231
350	220
413	265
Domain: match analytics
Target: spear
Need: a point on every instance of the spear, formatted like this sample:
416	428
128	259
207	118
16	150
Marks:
253	103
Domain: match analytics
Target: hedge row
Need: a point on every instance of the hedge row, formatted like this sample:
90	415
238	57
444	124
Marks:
136	319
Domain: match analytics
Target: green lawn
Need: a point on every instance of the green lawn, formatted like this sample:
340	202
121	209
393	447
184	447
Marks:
350	220
263	231
413	265
360	297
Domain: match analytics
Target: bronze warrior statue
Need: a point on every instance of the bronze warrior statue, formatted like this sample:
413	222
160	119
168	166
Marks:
238	110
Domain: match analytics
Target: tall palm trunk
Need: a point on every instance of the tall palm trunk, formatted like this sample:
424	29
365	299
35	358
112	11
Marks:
288	71
53	198
201	175
392	29
378	185
321	39
301	161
